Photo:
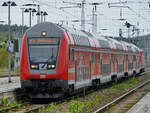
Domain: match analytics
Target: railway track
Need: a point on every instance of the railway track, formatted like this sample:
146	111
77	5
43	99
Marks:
103	108
11	97
4	76
35	107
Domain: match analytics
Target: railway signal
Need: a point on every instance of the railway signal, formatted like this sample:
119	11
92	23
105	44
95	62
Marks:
10	48
128	25
13	47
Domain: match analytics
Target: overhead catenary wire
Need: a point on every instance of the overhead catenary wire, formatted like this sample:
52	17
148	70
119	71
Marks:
48	5
63	13
137	13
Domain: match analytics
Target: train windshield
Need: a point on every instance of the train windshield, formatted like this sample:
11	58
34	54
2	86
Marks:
43	50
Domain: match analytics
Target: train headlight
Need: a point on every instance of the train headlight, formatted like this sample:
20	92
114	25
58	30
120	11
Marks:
51	66
44	33
34	66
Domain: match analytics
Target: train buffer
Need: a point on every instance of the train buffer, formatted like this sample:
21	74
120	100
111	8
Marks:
142	106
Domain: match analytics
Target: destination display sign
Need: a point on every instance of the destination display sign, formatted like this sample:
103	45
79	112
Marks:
43	40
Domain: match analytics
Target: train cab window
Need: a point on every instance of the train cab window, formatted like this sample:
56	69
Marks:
72	55
98	58
49	47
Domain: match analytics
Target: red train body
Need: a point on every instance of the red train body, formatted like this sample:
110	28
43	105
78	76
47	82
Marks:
57	60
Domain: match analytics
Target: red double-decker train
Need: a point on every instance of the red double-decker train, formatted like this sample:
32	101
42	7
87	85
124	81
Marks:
57	60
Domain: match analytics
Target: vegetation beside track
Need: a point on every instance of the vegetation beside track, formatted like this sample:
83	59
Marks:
96	99
7	104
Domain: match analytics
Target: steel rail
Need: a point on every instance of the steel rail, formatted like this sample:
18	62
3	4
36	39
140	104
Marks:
102	109
13	107
6	76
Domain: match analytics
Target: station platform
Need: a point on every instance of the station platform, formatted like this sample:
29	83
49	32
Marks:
142	106
5	86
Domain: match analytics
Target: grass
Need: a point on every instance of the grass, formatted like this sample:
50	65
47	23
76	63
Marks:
77	106
51	107
147	90
129	83
4	71
80	106
6	103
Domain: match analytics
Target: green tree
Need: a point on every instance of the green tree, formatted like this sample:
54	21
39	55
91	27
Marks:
3	57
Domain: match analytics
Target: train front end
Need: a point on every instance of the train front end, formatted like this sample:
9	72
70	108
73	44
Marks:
44	60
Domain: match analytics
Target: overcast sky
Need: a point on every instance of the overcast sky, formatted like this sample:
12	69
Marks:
107	17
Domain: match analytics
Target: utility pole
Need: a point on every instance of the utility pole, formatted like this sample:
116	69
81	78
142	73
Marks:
9	4
94	16
38	16
93	21
41	16
82	16
80	5
45	14
30	11
22	20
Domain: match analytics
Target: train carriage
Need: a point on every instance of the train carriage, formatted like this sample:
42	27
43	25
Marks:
56	60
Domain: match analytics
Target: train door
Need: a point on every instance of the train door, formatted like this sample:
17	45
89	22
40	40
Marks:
101	61
90	63
75	64
75	70
135	62
127	61
117	63
138	61
98	62
123	63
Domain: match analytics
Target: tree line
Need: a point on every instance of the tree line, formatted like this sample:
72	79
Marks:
16	31
14	28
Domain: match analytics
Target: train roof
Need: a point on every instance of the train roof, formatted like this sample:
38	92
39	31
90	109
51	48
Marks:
81	38
104	42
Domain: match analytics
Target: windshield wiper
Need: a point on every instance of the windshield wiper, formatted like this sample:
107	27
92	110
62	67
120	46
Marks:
50	58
